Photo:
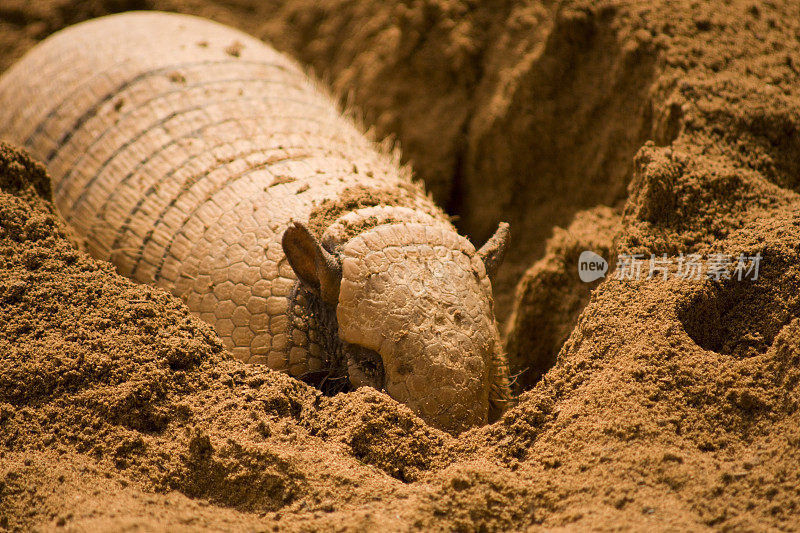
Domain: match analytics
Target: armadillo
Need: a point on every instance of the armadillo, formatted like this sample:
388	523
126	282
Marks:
199	159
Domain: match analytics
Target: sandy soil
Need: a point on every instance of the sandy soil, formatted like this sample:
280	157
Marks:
670	404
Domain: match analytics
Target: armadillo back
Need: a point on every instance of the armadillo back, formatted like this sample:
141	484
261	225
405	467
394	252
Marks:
180	149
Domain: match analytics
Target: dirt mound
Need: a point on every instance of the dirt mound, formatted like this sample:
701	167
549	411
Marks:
121	374
672	404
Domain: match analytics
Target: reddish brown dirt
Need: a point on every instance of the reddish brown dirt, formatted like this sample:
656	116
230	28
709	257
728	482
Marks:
550	295
671	405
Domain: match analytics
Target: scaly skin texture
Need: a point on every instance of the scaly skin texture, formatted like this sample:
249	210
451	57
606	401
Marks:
181	150
409	275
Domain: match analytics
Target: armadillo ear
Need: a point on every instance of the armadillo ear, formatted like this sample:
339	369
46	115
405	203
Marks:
312	263
493	252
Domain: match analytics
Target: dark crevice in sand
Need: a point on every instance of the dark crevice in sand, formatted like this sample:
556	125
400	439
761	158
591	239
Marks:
565	138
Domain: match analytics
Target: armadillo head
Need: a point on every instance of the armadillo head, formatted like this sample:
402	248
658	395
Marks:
414	307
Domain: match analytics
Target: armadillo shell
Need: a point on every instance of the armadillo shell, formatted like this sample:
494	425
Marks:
180	149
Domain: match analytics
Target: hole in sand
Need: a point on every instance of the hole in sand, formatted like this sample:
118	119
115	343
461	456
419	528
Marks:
737	318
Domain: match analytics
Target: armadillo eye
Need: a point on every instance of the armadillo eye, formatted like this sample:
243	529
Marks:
364	366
